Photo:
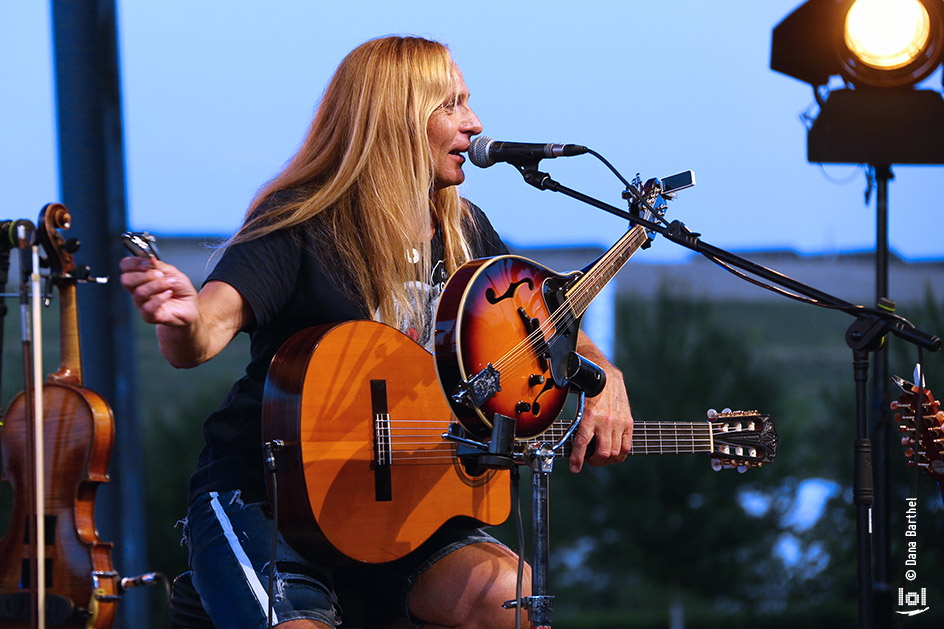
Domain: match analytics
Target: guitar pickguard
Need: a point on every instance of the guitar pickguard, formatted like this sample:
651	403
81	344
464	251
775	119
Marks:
565	337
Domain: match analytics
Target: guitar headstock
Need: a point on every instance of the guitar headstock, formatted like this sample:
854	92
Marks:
742	439
923	438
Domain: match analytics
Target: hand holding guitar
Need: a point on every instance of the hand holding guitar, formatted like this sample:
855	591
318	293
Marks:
607	419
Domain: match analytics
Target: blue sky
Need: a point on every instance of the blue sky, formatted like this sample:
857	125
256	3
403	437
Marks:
218	94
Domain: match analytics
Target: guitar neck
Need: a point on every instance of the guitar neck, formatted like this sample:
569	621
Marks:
585	289
653	437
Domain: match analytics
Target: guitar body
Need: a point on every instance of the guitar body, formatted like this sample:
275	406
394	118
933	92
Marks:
498	311
364	470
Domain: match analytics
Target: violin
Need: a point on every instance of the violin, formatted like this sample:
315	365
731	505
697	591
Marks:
81	586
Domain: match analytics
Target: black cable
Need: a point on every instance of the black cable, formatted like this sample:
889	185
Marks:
519	527
167	593
776	289
608	165
807	300
270	467
275	543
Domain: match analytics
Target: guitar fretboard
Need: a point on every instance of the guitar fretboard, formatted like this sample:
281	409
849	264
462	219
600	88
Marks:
653	437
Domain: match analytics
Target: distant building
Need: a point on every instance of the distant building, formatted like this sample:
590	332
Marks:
850	277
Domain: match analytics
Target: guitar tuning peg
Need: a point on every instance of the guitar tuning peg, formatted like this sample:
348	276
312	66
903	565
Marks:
742	469
907	441
726	411
712	414
909	452
894	405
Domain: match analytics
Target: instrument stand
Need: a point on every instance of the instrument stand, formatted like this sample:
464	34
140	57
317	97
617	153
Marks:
500	453
540	604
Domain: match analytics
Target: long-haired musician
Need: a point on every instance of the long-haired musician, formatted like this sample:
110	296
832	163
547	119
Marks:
365	222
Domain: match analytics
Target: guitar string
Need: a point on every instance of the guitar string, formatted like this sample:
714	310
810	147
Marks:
563	317
587	285
558	316
663	440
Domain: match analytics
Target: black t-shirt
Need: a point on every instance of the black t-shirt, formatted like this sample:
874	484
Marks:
288	288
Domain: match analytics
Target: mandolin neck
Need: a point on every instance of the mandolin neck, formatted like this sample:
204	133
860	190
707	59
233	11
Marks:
585	289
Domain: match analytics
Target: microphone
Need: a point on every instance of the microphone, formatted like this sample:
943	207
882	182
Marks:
484	151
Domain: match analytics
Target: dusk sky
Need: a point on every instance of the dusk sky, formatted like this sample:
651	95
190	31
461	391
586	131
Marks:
219	94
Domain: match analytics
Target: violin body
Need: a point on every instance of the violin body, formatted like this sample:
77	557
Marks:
79	433
81	586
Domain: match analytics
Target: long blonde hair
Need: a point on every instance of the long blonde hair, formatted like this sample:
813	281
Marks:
365	171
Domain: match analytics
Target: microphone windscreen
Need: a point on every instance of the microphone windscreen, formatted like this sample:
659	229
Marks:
478	151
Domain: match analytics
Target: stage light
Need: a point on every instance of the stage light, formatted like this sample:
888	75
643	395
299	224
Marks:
891	43
880	49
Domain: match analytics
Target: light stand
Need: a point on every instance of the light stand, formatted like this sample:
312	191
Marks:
881	425
878	118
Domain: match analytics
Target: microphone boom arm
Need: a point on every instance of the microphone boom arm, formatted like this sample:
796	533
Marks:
678	233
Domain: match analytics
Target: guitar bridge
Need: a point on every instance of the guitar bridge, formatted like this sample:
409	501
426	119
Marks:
479	389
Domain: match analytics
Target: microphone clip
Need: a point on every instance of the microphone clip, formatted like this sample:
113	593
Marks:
533	176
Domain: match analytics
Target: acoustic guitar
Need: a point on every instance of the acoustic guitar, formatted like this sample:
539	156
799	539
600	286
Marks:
363	468
924	437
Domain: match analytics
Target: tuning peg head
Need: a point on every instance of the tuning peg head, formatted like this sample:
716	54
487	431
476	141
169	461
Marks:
71	245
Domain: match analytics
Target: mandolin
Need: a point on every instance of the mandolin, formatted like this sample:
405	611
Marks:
364	470
506	335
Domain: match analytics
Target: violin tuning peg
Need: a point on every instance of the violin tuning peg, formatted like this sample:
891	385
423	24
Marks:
71	245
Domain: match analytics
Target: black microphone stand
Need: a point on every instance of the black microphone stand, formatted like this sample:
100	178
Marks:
865	335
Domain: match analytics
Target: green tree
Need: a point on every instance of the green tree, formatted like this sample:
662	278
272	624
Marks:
658	530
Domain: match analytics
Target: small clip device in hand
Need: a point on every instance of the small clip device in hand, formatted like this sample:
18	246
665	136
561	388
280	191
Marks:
140	244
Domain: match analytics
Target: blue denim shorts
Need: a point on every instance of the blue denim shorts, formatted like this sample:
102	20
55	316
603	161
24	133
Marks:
230	543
